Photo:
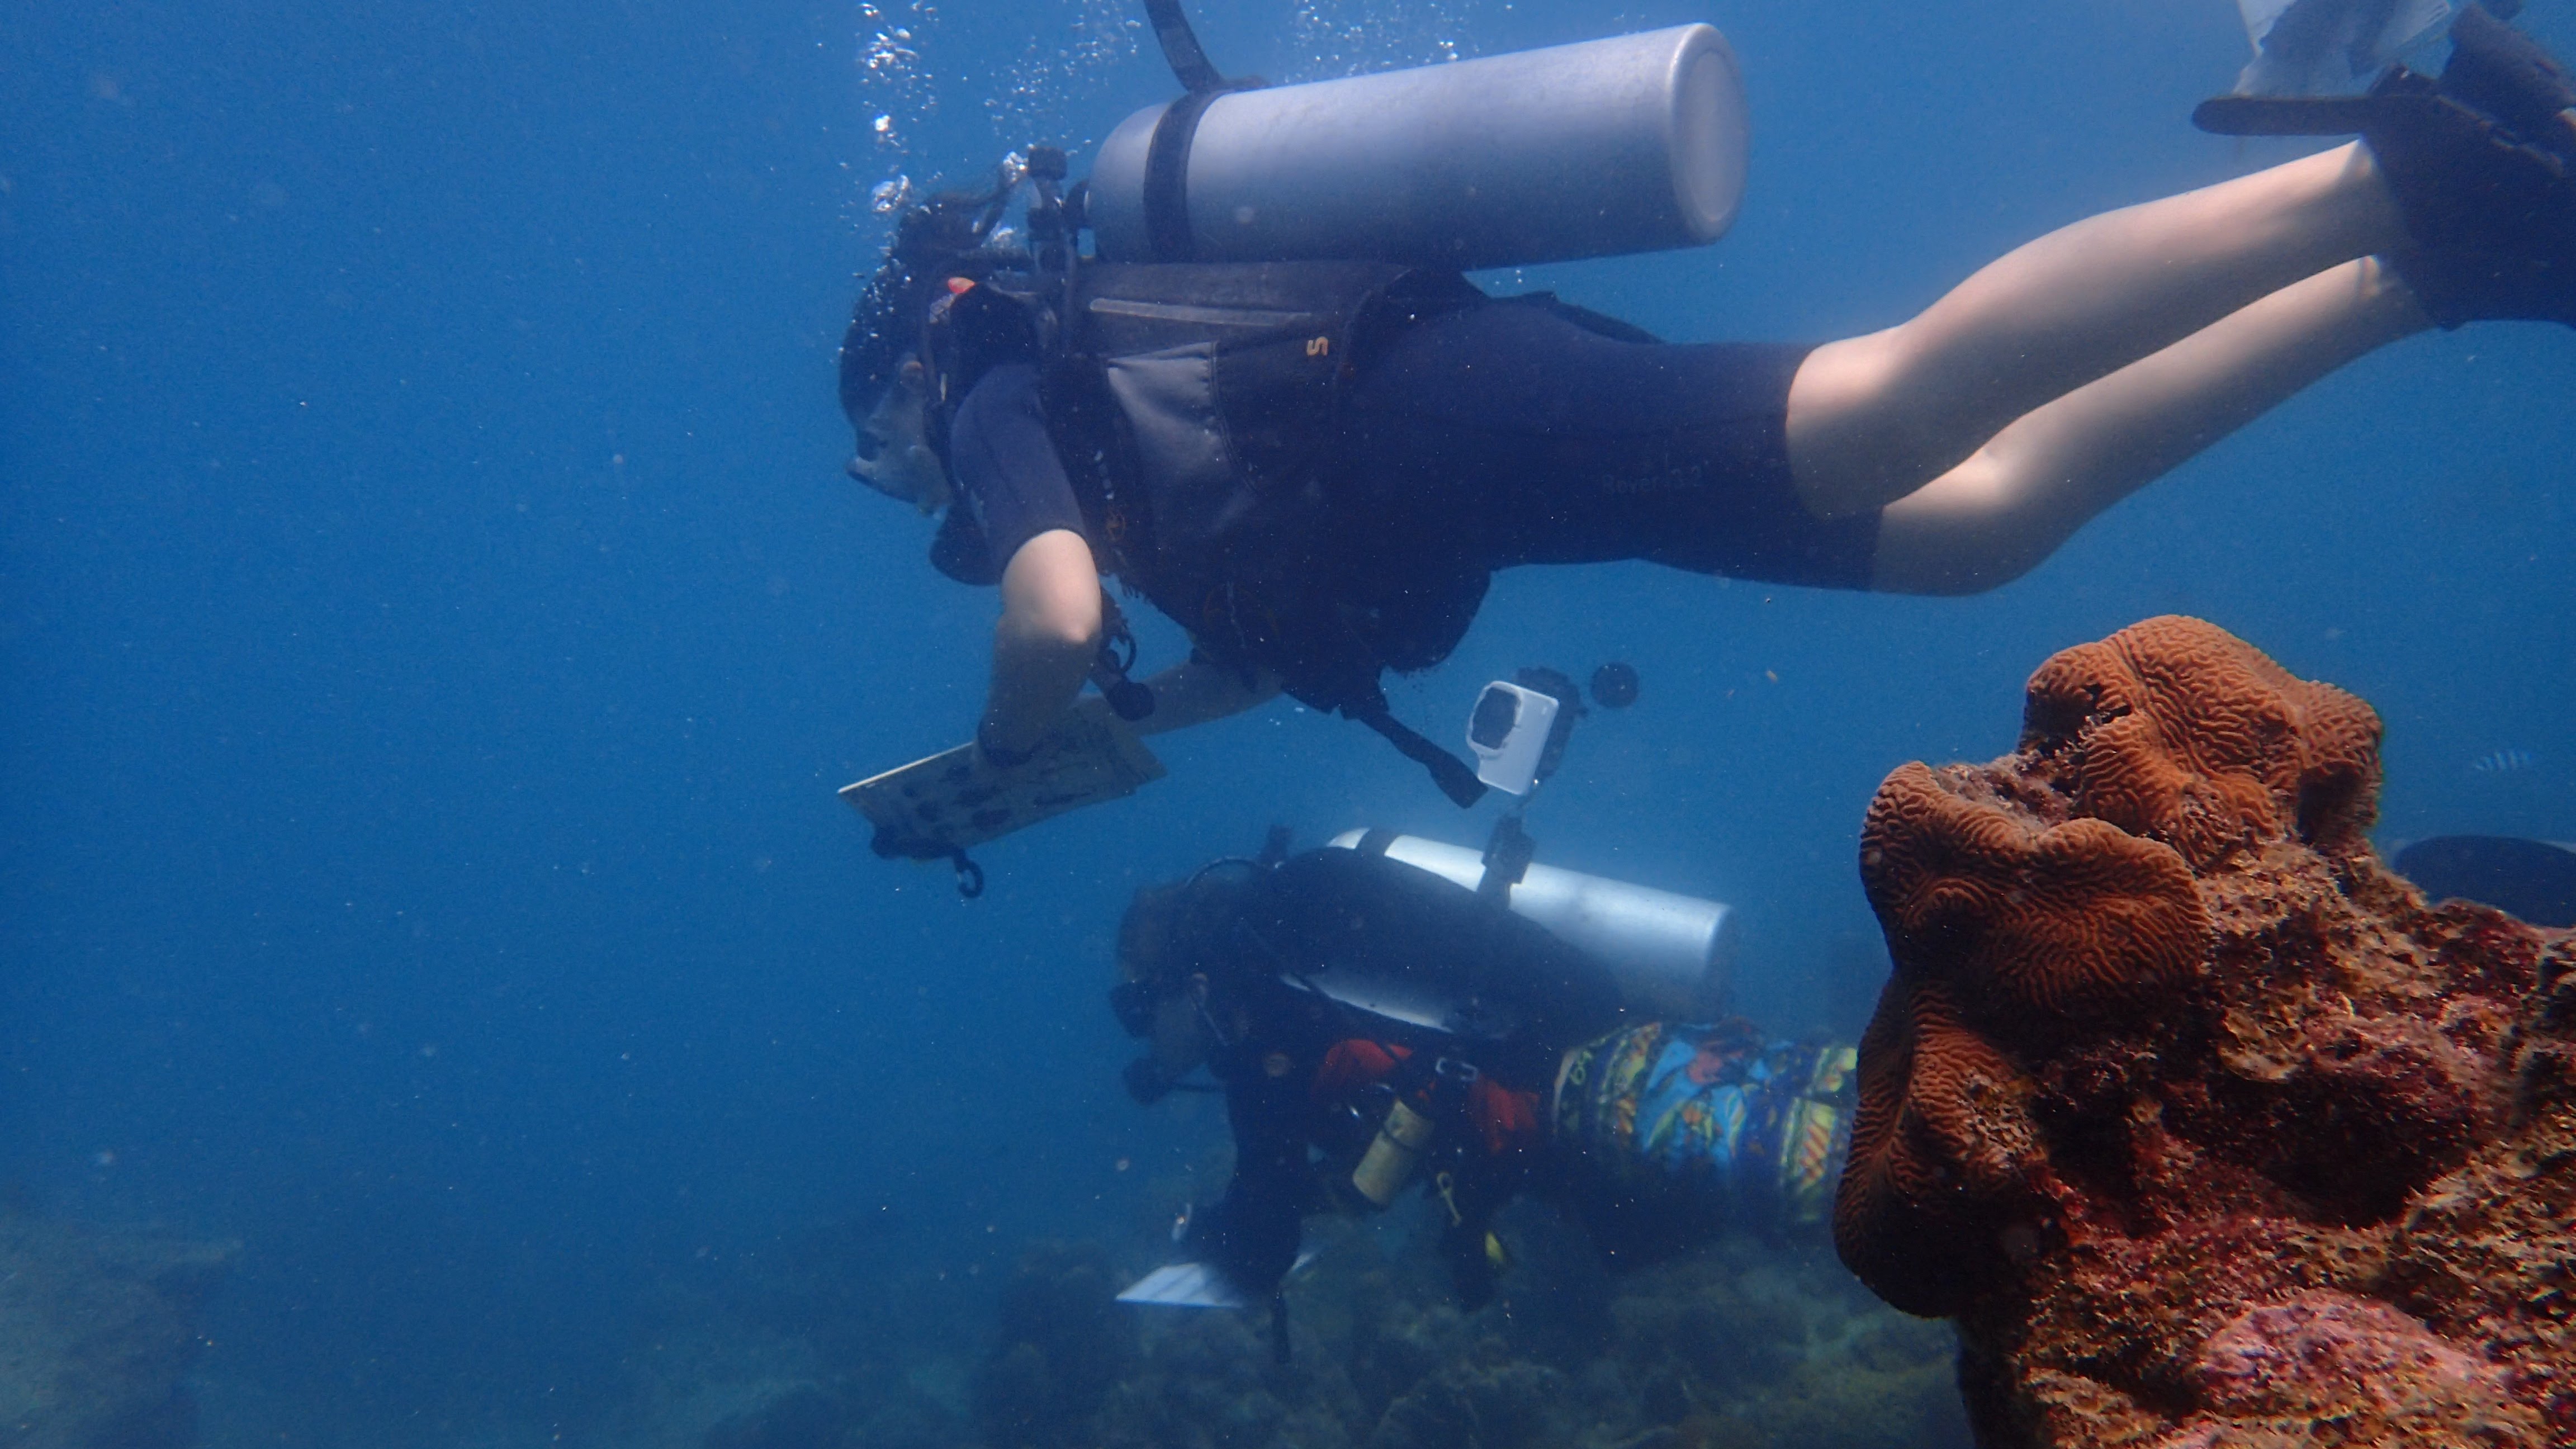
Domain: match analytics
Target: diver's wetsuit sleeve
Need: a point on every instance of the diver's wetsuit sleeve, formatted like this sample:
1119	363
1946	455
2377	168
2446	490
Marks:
1251	1234
1004	463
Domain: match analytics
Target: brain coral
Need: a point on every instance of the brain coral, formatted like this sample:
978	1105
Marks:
2206	1128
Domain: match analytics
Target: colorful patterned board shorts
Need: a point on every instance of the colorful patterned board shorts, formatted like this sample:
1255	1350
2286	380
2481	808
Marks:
1751	1130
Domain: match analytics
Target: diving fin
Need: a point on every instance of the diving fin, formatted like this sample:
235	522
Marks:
937	807
2311	47
2478	162
2496	73
1196	1285
2287	115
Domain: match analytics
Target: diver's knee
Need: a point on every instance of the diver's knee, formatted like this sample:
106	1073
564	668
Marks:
1848	432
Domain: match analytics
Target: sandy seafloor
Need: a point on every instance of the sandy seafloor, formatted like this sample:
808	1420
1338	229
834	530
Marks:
435	624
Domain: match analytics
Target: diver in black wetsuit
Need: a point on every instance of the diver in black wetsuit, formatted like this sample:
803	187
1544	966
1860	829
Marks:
1435	435
1320	990
1374	1025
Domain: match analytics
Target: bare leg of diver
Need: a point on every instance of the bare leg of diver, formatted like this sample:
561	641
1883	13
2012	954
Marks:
1996	515
1871	419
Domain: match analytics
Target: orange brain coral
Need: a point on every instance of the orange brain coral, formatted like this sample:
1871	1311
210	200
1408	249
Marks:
2179	731
2203	1126
2040	896
2032	923
1939	1155
2006	932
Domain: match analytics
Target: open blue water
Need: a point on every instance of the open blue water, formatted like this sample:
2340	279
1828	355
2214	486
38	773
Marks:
434	623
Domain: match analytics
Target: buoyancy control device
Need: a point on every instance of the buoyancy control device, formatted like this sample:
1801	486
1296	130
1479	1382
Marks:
1212	394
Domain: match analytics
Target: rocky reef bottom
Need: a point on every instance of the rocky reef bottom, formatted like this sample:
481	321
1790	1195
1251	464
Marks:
97	1330
1743	1344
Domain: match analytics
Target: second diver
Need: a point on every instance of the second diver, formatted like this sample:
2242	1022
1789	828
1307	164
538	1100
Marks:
1375	1027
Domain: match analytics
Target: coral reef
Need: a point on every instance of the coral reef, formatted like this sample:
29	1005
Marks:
96	1329
1063	1341
1744	1344
2205	1127
815	1343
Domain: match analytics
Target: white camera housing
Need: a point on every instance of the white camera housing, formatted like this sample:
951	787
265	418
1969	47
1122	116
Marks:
1508	731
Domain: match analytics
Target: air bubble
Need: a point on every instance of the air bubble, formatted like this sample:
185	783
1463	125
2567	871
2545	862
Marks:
1348	37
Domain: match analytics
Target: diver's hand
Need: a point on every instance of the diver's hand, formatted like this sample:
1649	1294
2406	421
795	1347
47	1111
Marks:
999	757
1088	709
1091	709
1185	694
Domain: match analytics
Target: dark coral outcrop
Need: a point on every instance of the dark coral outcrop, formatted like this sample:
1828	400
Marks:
2206	1128
98	1330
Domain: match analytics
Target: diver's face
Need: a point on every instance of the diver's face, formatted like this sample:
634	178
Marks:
894	455
1180	1035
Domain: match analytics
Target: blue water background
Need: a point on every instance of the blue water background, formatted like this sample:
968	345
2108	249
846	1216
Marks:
435	624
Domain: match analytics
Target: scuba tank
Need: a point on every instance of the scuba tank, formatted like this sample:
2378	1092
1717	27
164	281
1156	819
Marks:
1631	144
1672	955
1395	1154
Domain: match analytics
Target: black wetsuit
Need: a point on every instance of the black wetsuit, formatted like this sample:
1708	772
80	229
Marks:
1481	437
1347	922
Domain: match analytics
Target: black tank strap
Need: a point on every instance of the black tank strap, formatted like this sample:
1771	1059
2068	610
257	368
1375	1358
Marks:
1181	46
1167	157
1167	177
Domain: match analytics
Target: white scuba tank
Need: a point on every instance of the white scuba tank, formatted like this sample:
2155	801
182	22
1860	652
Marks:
1631	144
1672	955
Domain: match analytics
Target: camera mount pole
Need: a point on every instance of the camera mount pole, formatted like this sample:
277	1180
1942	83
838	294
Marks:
1509	850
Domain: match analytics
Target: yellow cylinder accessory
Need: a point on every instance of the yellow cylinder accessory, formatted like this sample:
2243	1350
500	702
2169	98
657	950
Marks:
1393	1155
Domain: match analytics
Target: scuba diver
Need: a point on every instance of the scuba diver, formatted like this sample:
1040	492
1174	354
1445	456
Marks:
1314	466
1374	1025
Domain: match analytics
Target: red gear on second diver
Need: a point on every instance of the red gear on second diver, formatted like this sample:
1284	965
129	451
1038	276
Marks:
1505	1119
